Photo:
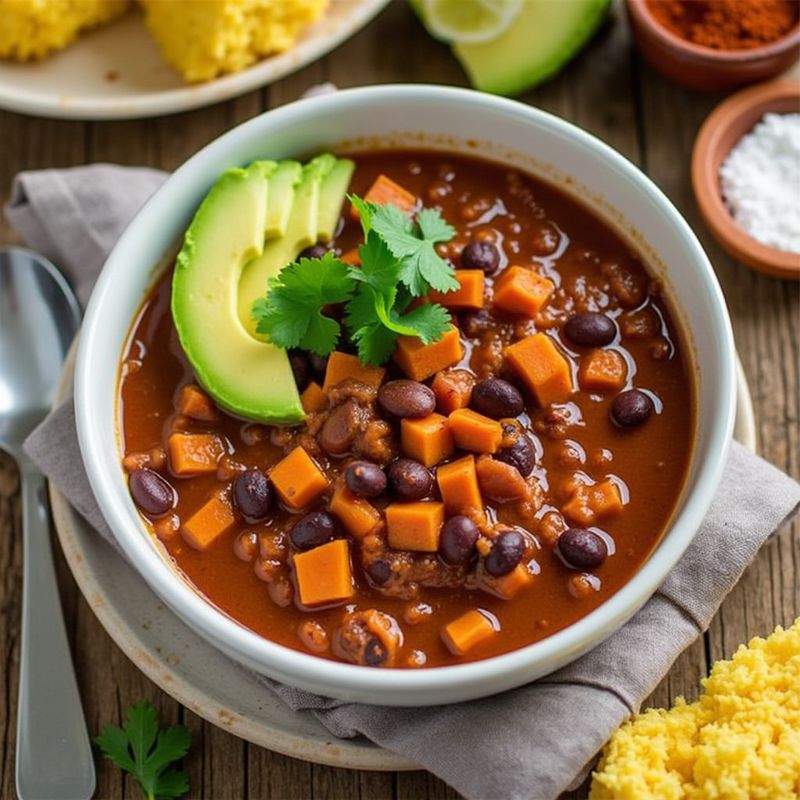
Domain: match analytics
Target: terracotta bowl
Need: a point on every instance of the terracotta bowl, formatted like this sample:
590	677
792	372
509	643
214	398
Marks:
724	127
704	68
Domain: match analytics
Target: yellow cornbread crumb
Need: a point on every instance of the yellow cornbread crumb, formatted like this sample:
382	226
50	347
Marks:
739	741
30	29
206	38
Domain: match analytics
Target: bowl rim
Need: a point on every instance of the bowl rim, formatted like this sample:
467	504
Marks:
348	680
641	11
705	178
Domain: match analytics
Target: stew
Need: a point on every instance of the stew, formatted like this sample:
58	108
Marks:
471	497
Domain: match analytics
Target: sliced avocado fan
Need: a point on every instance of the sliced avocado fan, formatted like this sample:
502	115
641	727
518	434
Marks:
251	224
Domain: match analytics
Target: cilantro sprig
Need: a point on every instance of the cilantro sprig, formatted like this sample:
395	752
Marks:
147	753
399	263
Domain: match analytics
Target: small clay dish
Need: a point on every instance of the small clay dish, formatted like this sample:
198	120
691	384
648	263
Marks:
703	68
724	127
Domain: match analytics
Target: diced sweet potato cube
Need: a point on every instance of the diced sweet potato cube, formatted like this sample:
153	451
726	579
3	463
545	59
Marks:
602	370
468	295
357	515
384	191
458	485
520	290
297	479
351	257
500	481
208	523
453	389
419	361
194	453
324	575
342	366
193	402
473	431
414	526
605	498
469	630
313	398
543	369
506	586
427	439
590	503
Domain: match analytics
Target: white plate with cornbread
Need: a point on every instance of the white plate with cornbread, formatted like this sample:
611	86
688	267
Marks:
119	59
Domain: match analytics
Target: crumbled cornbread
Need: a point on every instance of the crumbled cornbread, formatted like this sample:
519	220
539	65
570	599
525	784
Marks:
30	29
739	741
206	38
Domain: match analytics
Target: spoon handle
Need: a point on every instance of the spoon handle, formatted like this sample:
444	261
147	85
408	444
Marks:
54	757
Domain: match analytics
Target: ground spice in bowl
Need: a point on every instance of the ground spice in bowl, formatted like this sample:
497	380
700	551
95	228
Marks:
760	182
726	24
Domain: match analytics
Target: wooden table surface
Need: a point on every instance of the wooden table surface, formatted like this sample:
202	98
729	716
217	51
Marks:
608	91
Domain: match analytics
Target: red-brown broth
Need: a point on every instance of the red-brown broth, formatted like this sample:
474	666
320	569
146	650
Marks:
651	461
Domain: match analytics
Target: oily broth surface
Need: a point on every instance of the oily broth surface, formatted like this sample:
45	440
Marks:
650	462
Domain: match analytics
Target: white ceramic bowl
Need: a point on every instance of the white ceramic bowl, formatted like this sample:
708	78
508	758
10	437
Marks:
440	118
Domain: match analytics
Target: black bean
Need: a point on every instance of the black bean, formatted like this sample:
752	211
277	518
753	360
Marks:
507	551
374	652
497	399
520	455
582	549
590	329
318	365
298	360
340	429
404	398
365	479
457	540
409	480
379	571
481	255
312	530
151	492
631	408
252	495
315	251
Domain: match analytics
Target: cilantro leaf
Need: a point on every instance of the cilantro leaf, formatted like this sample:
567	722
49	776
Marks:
422	268
147	753
291	313
430	322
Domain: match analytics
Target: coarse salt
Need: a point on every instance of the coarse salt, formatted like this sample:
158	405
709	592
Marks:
760	182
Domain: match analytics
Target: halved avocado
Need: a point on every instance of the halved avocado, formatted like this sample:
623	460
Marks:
545	35
246	377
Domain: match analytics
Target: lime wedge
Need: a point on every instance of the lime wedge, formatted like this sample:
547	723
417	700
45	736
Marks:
468	21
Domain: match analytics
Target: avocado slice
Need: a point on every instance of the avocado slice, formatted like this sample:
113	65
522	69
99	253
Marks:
282	182
333	189
301	232
545	35
246	377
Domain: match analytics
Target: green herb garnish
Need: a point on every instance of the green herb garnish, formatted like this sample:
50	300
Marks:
147	753
398	264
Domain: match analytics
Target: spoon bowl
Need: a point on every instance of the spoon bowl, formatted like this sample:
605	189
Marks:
39	317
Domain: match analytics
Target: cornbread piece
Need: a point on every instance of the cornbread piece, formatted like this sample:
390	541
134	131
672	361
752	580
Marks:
739	740
206	38
31	29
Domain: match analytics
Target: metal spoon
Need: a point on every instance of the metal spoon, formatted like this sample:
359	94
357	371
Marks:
38	319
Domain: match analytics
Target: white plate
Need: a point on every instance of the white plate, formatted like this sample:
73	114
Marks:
118	72
198	675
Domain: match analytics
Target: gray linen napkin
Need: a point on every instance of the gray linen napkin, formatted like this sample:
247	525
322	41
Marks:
533	742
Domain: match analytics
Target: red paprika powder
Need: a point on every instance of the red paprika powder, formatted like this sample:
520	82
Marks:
727	24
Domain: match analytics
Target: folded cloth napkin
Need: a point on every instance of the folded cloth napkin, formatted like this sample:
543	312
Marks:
533	742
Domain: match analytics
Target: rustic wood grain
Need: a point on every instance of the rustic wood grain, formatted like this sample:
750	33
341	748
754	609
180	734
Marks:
608	91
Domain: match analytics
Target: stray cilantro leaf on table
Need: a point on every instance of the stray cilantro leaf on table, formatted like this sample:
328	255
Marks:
147	753
291	314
